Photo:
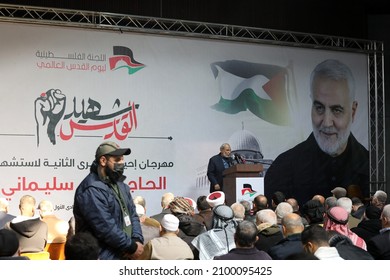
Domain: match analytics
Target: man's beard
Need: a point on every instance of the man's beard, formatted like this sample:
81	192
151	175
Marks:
332	147
116	174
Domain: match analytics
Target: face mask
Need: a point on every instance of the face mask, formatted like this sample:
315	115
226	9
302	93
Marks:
116	173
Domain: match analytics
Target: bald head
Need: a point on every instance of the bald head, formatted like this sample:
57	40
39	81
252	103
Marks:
260	202
166	199
292	224
27	206
294	203
320	198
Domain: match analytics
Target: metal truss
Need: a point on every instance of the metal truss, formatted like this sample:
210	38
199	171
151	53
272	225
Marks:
172	27
123	23
376	83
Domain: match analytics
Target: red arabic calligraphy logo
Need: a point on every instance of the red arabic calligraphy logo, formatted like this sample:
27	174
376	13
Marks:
50	108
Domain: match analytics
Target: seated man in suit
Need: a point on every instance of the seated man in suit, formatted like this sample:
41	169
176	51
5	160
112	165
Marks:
292	227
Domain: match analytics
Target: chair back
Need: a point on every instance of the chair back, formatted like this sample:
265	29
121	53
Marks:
56	250
37	255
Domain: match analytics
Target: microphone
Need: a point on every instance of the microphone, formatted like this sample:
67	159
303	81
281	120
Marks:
239	158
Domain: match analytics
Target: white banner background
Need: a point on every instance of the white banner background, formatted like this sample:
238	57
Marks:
175	91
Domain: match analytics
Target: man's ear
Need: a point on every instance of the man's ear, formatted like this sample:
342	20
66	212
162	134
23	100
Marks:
102	161
309	247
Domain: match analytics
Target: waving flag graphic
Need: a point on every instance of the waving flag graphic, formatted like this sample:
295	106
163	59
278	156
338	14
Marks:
247	190
124	58
265	90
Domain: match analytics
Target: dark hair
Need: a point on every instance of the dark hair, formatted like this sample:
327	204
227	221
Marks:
82	246
301	256
313	211
278	197
202	203
315	234
246	233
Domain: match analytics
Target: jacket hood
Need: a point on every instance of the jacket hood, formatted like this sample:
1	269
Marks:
27	228
271	230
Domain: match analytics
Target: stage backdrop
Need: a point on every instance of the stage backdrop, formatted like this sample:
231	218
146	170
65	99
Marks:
172	100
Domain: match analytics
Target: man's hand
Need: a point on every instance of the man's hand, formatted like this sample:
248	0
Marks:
138	252
217	187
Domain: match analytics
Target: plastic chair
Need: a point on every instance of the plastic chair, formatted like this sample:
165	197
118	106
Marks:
56	250
37	256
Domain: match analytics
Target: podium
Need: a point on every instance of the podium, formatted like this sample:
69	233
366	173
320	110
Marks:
231	174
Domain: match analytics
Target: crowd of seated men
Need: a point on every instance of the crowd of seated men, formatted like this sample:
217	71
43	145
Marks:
337	227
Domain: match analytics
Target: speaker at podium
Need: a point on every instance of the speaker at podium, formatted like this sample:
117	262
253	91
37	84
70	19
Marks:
242	182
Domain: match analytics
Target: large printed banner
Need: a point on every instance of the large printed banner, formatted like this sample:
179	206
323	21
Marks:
172	100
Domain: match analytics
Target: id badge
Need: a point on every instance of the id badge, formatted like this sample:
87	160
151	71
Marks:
127	220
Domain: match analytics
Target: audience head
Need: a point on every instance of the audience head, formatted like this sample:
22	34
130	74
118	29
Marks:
82	246
330	202
313	211
294	203
191	202
356	203
216	198
202	203
337	219
260	202
277	198
346	203
266	216
247	206
27	206
385	216
179	206
140	200
292	224
339	192
238	210
372	212
320	198
282	209
45	208
166	199
170	223
9	243
246	234
379	199
222	216
313	237
4	205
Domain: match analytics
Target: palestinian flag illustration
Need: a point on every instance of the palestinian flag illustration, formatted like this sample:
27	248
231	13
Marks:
124	58
247	190
263	89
